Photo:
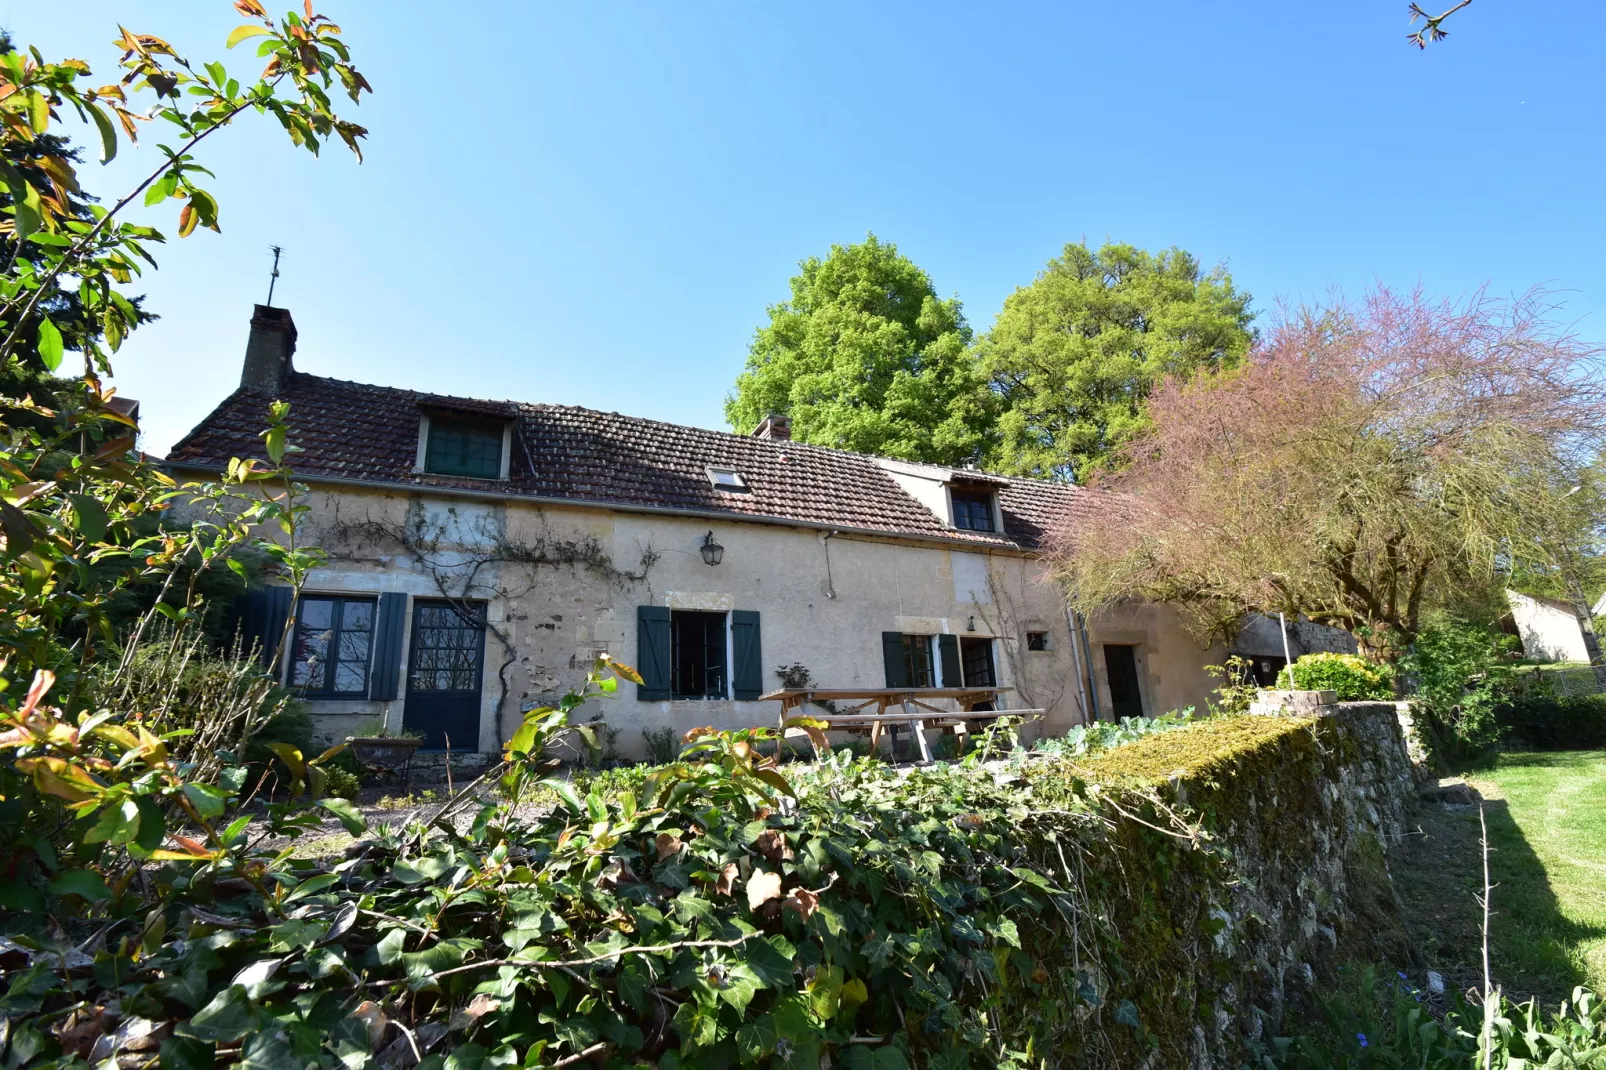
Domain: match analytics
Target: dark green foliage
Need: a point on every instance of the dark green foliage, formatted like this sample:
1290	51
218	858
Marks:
1546	722
1451	680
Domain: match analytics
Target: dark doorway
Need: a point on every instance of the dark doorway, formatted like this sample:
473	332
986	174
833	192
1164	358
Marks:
1121	664
696	654
443	674
976	660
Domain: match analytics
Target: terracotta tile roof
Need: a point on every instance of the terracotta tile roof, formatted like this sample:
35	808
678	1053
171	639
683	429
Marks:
370	434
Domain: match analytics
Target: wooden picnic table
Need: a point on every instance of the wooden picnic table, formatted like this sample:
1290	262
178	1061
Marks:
913	706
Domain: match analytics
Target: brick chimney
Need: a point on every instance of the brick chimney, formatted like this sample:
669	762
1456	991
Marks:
269	349
774	426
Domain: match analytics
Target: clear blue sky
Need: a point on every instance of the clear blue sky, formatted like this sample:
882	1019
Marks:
593	203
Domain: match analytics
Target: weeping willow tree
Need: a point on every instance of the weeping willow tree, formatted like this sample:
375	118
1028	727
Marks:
1370	461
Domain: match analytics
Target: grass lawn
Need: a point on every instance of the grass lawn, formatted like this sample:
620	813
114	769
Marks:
1547	826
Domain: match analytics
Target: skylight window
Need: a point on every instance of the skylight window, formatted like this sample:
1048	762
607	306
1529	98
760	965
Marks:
726	479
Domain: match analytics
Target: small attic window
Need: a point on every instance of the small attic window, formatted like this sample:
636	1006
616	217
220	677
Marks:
973	509
465	447
726	479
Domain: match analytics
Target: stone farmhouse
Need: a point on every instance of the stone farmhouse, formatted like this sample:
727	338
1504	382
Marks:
482	553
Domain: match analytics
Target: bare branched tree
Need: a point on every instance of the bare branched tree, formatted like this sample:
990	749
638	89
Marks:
1369	462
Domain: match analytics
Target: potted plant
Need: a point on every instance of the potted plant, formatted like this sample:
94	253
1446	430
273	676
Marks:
381	750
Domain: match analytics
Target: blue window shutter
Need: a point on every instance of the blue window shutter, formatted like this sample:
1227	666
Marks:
747	676
896	665
386	670
652	652
259	618
948	648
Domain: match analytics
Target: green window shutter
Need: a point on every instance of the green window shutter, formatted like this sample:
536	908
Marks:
386	671
892	653
652	652
747	675
259	618
948	649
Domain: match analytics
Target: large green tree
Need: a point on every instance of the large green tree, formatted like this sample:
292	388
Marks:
865	356
1074	356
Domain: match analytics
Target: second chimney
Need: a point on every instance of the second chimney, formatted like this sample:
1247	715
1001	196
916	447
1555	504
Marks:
774	426
269	349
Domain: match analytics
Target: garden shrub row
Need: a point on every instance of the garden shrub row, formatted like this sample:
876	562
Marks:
1039	910
1548	722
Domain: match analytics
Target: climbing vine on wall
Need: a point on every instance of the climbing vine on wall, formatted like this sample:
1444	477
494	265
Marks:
473	558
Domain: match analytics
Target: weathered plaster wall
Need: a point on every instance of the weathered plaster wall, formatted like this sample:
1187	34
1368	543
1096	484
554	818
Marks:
563	584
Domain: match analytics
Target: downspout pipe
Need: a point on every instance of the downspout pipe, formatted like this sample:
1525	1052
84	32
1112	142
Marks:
1082	654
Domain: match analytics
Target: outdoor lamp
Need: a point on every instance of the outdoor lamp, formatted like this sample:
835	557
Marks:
970	625
712	551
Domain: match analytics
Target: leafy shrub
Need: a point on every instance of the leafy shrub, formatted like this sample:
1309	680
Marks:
1550	723
342	784
1391	1025
662	746
1450	670
1236	690
1085	739
1354	678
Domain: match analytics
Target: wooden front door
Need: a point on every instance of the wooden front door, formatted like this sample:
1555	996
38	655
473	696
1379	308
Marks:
1121	663
443	674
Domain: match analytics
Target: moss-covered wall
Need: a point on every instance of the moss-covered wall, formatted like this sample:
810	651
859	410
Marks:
1277	872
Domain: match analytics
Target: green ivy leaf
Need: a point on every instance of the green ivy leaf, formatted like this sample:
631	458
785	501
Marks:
227	1018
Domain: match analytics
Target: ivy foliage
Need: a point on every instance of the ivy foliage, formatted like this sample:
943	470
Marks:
721	914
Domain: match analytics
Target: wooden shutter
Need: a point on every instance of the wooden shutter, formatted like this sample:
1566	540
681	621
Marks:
652	652
948	648
259	618
384	673
747	675
892	653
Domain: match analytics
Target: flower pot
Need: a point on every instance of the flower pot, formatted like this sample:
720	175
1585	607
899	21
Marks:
384	754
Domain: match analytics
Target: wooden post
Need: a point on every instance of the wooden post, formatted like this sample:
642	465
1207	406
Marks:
918	730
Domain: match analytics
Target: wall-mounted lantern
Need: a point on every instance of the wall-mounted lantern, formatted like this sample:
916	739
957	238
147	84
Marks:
712	551
970	625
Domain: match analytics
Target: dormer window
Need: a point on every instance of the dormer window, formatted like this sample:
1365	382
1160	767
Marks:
973	509
727	479
453	446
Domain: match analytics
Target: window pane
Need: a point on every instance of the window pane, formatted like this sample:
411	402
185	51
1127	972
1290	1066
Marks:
317	612
973	511
357	616
354	646
351	677
463	449
917	657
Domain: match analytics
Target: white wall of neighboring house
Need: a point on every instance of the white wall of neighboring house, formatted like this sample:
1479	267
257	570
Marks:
1548	627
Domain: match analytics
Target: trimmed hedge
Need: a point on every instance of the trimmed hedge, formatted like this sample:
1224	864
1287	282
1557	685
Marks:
1548	723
